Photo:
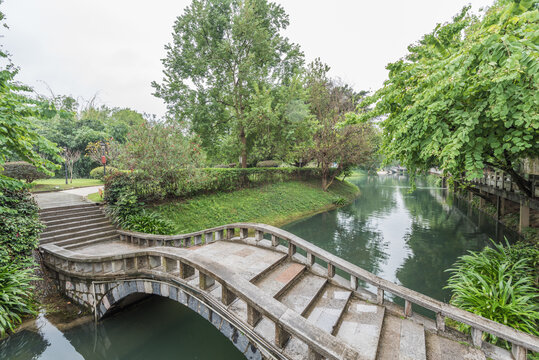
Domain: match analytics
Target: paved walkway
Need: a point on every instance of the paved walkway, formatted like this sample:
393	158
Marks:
65	198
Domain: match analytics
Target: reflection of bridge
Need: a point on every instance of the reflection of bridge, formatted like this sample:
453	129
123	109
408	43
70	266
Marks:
273	294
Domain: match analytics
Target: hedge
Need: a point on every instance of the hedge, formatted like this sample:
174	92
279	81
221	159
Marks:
184	184
268	163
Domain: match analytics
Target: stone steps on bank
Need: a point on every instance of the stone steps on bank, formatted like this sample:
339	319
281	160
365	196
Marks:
72	228
65	215
81	236
82	244
54	224
402	339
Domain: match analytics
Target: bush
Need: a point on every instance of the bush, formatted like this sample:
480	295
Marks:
147	222
498	283
16	296
268	164
97	173
21	170
20	229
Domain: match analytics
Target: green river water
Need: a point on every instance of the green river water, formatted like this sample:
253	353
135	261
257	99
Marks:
408	238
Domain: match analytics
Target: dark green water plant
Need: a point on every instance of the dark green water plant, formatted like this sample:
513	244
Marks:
500	284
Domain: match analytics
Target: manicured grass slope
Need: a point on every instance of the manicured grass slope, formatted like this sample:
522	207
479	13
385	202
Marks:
60	184
274	204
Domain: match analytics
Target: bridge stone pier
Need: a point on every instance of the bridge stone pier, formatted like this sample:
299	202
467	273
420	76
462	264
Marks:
273	294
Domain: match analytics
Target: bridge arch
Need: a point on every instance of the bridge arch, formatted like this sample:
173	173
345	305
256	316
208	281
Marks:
119	291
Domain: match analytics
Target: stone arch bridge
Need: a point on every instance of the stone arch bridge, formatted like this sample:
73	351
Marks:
273	294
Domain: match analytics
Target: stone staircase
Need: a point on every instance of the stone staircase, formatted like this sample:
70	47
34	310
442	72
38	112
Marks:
375	331
75	226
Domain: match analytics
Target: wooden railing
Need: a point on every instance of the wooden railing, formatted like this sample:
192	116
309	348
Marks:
520	341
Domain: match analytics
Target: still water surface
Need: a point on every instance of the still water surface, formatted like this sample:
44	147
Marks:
408	238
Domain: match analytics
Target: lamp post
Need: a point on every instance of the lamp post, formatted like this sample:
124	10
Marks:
65	165
103	157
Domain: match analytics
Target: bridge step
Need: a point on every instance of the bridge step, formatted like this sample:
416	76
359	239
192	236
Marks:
361	326
440	348
306	290
74	228
82	236
402	339
329	307
278	280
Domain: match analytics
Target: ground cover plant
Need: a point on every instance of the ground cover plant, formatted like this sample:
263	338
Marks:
499	283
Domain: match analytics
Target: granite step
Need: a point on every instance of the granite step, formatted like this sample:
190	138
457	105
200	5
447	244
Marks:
361	325
304	292
109	231
75	227
328	308
67	208
64	215
440	348
278	280
79	245
71	222
76	234
412	341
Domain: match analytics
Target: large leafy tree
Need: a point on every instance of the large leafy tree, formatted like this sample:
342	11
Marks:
18	140
466	95
222	52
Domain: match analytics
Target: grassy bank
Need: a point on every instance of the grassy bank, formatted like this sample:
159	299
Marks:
274	204
60	184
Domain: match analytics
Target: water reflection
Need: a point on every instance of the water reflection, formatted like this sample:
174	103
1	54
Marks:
158	328
410	238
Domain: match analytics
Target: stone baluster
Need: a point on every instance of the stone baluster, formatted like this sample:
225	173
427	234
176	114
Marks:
331	270
229	234
227	296
274	240
291	249
440	322
243	233
186	271
219	235
281	336
259	235
519	353
353	282
208	238
313	355
380	296
477	337
204	281
253	315
198	240
407	308
310	259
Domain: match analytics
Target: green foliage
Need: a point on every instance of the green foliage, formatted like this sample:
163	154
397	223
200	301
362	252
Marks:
16	296
268	163
274	204
225	71
149	223
499	283
21	170
340	201
97	173
180	183
465	96
20	229
157	149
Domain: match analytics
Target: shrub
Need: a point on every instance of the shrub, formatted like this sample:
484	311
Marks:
21	170
20	229
16	296
498	283
268	164
339	201
97	173
147	222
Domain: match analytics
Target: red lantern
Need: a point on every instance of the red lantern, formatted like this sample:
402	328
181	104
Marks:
103	160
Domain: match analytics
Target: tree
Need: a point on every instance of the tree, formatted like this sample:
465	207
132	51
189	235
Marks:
222	50
112	151
465	96
71	157
334	146
157	149
18	140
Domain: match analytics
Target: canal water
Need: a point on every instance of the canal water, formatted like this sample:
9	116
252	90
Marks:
410	238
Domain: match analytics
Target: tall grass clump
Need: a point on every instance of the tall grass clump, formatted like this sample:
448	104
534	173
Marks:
500	284
16	296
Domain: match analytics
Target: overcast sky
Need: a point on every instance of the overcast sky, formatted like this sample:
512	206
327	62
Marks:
113	48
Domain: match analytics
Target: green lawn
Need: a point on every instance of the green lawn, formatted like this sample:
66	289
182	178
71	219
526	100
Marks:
60	184
274	204
95	197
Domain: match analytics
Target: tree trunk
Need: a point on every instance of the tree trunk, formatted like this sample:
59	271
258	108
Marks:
243	140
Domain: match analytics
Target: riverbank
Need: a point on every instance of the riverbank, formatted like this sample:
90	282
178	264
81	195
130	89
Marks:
274	204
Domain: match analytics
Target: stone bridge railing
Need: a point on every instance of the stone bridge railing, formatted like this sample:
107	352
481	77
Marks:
277	238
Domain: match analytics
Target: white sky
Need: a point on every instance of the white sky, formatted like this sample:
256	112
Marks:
113	48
